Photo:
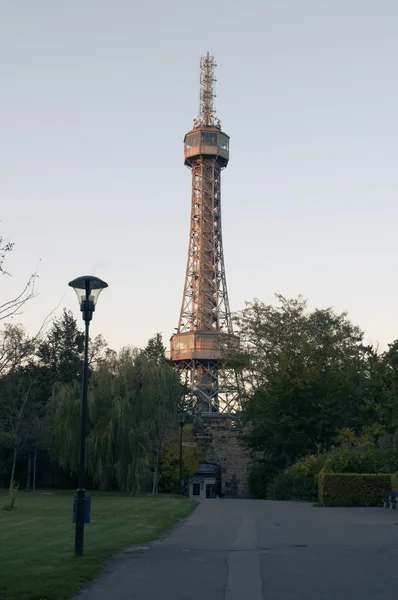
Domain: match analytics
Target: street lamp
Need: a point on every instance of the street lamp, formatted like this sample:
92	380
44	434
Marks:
88	289
182	423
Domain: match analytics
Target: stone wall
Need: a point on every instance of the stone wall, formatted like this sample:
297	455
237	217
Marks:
220	440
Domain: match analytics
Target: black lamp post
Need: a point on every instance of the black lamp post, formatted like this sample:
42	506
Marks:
182	423
88	289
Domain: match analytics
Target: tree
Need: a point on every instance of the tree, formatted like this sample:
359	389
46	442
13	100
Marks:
16	348
155	348
19	414
62	350
132	404
23	394
388	382
41	362
307	376
5	247
164	397
170	464
12	307
99	351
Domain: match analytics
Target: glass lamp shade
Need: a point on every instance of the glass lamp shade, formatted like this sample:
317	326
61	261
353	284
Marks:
88	288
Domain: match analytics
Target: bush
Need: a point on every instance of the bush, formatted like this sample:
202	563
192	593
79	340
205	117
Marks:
394	482
260	477
352	489
289	486
310	466
364	459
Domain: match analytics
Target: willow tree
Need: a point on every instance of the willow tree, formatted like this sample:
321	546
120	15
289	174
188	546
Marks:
62	424
163	399
126	426
116	443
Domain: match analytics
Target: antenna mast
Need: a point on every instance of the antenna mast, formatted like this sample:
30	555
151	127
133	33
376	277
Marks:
207	111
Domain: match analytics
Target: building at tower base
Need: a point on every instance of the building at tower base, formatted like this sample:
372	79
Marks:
221	443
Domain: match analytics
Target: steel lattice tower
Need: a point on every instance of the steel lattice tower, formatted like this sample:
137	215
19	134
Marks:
205	326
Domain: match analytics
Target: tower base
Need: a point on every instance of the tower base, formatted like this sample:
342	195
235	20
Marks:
220	439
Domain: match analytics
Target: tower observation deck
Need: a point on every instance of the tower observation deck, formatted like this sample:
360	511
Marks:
204	330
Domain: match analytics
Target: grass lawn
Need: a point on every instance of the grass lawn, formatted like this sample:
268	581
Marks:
37	559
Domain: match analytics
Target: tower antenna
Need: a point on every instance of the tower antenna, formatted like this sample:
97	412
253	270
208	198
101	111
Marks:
207	111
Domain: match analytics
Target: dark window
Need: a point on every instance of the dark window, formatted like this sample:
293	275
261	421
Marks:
192	140
195	489
209	139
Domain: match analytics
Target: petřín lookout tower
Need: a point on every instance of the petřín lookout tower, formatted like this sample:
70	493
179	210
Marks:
205	326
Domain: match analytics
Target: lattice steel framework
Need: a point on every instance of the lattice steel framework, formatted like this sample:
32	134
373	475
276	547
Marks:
205	327
205	305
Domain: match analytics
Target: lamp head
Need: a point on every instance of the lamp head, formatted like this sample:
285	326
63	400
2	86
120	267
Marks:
87	289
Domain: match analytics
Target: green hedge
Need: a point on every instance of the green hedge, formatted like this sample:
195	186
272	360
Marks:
295	486
351	489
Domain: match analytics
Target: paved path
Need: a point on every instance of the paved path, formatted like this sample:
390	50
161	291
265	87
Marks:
261	550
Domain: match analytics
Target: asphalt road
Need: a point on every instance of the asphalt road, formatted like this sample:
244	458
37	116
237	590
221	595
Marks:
262	550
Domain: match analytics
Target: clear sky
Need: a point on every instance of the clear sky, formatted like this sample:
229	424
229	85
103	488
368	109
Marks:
96	96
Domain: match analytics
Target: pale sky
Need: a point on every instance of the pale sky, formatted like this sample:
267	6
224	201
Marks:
96	96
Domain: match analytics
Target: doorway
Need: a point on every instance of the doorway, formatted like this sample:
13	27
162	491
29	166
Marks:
210	490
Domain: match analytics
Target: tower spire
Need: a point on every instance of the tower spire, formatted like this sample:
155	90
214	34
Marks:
207	111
